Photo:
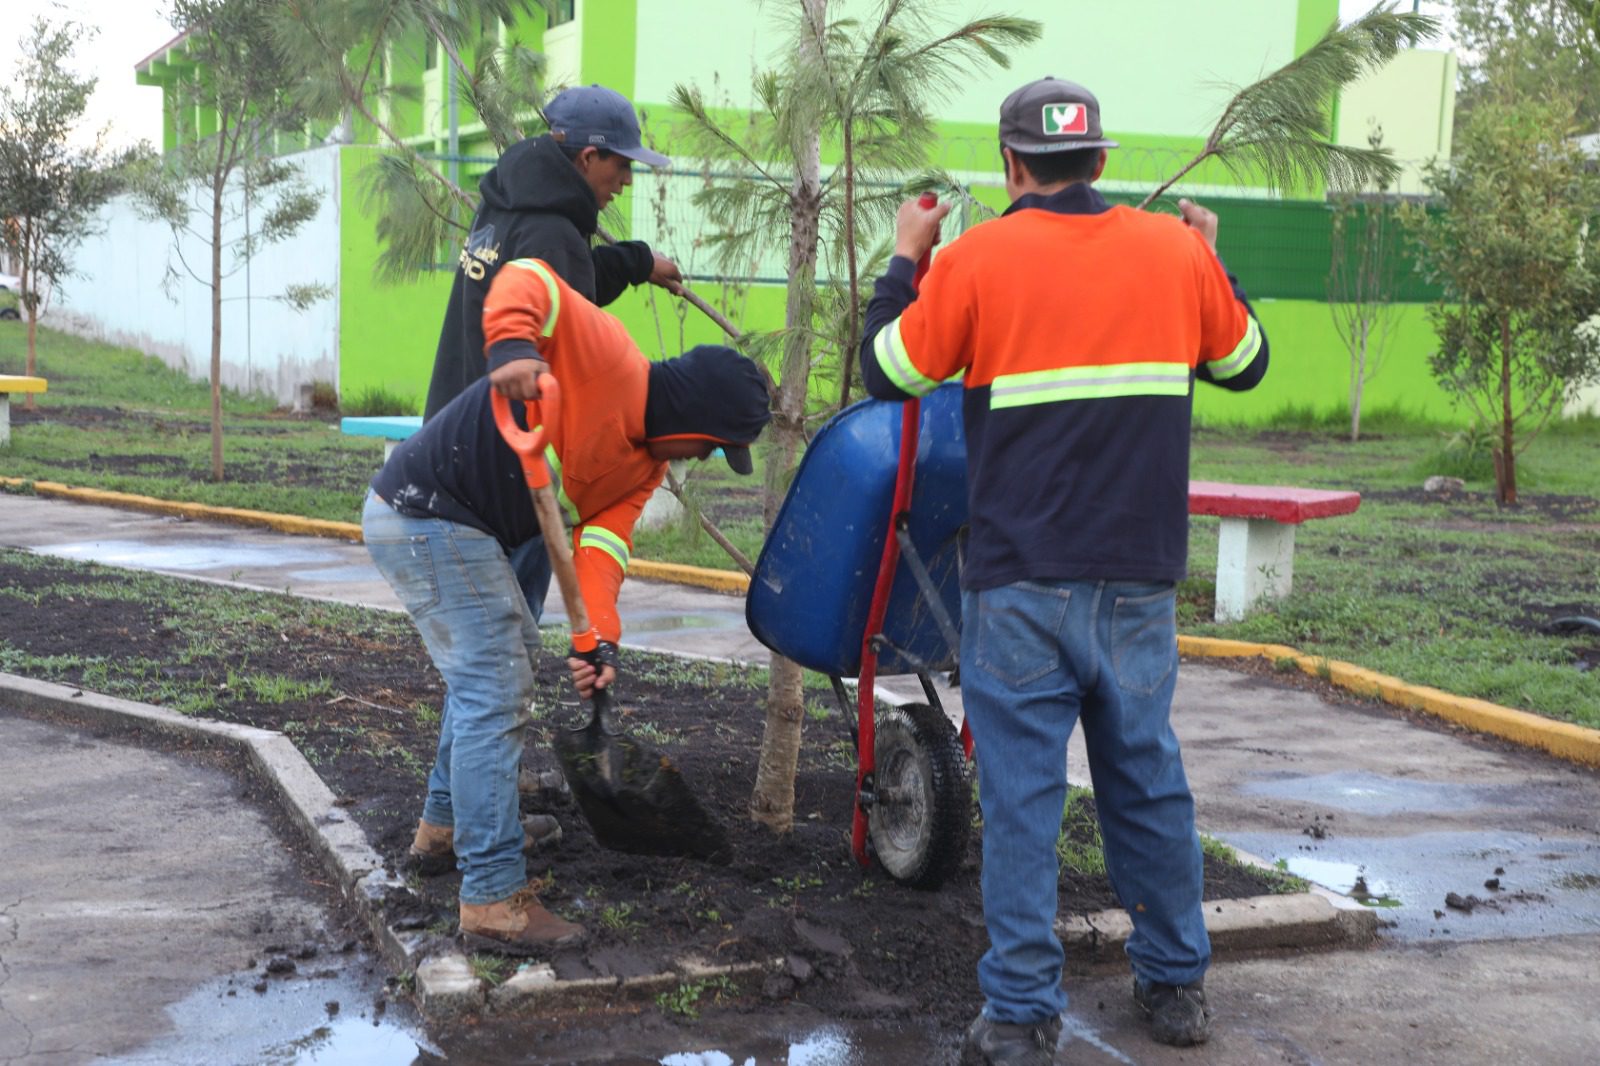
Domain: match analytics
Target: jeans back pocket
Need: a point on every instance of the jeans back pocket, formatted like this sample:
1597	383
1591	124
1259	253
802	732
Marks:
1019	631
1144	640
407	564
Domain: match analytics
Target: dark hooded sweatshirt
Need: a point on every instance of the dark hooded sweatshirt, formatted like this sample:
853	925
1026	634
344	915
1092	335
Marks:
535	206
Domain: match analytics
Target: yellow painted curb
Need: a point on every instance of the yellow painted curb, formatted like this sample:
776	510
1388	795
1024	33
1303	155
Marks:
283	523
1575	742
704	577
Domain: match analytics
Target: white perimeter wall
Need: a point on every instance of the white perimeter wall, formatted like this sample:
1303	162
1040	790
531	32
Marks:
117	293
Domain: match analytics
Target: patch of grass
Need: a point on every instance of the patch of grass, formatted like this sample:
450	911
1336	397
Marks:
618	917
377	400
684	1001
490	969
1281	881
1079	847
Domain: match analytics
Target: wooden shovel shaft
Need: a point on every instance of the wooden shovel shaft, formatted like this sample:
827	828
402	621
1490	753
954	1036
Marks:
559	549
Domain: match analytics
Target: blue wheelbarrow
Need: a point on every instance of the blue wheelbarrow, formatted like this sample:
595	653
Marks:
829	593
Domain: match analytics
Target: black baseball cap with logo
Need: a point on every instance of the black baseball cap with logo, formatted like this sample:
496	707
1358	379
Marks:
592	116
1051	115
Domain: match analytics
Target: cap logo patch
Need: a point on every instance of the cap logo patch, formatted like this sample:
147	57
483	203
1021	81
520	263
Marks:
1064	120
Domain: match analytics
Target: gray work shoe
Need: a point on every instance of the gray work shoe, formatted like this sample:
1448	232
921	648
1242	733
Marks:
992	1043
1177	1013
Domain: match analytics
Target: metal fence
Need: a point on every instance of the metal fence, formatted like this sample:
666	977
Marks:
1278	247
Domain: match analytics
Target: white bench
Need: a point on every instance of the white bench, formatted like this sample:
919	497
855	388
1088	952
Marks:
392	428
1255	551
10	383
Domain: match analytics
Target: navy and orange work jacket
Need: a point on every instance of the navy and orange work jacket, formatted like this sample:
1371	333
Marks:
458	468
1080	329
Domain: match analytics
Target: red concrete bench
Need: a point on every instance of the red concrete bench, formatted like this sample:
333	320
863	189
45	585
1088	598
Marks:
1255	551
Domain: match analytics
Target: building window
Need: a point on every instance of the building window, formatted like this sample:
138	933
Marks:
563	11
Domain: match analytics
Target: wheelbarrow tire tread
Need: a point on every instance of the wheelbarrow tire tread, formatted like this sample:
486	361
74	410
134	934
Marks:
916	734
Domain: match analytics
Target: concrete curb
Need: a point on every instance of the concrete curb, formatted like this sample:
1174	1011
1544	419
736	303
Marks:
445	983
1575	743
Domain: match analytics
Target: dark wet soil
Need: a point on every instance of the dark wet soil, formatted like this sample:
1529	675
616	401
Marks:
857	943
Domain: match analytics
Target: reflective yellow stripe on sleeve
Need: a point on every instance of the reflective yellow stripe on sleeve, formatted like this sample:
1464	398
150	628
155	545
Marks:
550	286
1089	383
1238	361
895	362
606	541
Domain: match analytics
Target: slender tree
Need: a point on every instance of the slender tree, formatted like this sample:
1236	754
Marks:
50	187
1363	278
240	87
1511	243
871	85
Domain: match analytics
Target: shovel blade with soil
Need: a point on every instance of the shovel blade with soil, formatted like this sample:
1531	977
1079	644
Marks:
633	797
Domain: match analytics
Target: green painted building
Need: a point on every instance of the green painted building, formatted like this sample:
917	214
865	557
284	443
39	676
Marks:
1161	73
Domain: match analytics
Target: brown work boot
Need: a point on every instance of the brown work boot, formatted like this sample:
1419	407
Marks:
432	850
517	925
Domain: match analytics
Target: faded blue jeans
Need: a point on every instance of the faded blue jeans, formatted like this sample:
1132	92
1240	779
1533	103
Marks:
1036	658
466	601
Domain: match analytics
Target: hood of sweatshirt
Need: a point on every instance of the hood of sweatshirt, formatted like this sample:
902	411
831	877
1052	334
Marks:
534	175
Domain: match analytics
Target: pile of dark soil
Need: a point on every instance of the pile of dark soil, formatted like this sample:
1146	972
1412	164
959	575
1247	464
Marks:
355	691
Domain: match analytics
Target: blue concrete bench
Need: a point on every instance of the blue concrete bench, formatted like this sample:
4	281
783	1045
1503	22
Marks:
392	428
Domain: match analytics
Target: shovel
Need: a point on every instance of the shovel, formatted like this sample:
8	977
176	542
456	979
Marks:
633	796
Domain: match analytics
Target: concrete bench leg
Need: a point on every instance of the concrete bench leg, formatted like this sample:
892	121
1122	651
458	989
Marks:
5	419
1255	562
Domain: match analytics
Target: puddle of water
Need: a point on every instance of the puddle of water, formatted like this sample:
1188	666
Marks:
197	554
292	1023
1540	882
1365	793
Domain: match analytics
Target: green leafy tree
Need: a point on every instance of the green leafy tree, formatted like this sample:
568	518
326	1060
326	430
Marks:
1510	241
1363	278
50	188
871	87
242	86
1530	45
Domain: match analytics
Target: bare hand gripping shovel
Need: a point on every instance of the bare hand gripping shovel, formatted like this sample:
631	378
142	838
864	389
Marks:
634	798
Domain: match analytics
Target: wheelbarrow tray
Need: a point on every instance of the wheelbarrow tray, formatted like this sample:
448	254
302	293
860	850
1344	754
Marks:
812	586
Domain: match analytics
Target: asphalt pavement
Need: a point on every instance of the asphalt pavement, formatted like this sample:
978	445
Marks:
1354	796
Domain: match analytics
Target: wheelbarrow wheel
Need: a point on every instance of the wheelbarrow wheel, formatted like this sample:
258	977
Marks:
923	807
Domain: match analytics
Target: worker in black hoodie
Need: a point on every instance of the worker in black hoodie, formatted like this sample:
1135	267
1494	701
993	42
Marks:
542	200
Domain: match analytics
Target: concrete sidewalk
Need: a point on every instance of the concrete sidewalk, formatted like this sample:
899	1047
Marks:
1338	791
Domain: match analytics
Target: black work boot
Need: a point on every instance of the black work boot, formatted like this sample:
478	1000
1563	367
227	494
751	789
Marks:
992	1043
1177	1013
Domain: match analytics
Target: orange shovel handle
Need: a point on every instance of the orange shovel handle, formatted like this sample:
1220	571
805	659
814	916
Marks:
529	444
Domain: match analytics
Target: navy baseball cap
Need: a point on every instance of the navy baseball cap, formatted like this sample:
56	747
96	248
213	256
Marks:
592	116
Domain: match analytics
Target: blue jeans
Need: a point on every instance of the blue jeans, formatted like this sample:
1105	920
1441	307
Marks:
1036	658
466	601
531	563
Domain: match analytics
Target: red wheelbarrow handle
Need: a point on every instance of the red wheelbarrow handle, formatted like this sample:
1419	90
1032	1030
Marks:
529	446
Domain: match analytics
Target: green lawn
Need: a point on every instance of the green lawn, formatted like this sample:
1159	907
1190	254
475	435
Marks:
1453	592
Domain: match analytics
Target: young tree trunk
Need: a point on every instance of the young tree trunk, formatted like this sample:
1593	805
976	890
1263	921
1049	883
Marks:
30	303
772	801
1505	466
216	331
1358	381
852	341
